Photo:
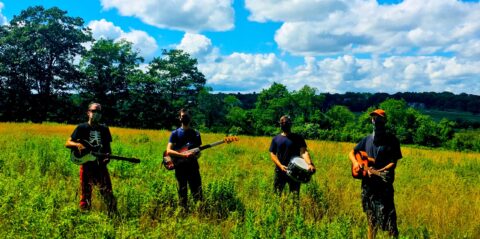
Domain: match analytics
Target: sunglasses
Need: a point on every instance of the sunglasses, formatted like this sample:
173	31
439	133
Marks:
95	111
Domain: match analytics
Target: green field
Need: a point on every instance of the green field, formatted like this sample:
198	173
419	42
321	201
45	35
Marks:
437	192
437	115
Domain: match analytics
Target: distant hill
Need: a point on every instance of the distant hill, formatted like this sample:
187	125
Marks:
357	102
462	108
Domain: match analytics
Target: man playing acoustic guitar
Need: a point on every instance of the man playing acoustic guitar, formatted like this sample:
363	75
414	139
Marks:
94	172
383	149
186	163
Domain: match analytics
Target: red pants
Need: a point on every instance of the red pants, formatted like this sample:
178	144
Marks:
93	173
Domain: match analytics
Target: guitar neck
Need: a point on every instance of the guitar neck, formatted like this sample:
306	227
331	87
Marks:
382	175
133	160
211	145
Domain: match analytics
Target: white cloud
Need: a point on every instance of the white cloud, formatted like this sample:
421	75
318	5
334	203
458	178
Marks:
145	44
186	15
197	45
3	19
289	10
392	74
359	26
104	29
240	72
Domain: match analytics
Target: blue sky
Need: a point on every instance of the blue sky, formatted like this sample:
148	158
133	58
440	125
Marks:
333	45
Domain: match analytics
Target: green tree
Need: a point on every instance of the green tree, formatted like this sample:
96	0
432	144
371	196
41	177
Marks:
179	79
109	69
38	48
271	104
211	110
306	102
446	130
15	85
426	132
340	116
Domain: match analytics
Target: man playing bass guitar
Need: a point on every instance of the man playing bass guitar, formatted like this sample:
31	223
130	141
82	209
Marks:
94	172
186	165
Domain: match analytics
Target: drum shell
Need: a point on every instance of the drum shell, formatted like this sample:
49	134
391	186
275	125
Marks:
298	173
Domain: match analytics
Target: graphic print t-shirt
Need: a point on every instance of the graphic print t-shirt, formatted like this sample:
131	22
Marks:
98	136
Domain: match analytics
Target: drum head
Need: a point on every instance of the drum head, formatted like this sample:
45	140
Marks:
300	162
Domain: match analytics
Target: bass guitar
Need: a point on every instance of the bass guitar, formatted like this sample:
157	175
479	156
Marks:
168	161
363	160
90	153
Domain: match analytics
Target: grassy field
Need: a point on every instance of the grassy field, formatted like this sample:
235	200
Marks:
437	192
438	115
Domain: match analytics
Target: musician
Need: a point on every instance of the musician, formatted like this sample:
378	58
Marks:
285	146
186	164
377	195
94	172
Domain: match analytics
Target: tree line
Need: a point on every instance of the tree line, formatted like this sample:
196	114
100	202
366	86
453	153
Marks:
47	74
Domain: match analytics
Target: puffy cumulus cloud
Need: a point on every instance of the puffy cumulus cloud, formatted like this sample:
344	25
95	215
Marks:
198	46
288	11
360	26
3	19
187	15
145	44
240	72
104	29
392	74
311	38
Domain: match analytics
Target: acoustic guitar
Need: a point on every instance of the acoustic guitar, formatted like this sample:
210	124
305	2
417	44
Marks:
168	160
91	153
364	161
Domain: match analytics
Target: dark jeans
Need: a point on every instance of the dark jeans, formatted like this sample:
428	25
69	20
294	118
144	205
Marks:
188	174
281	179
378	204
92	173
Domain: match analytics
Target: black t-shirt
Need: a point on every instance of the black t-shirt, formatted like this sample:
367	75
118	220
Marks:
387	151
286	147
189	138
98	136
181	137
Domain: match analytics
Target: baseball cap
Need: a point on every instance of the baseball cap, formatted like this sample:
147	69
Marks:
378	112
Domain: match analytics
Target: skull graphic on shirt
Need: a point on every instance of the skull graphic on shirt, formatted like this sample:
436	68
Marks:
95	139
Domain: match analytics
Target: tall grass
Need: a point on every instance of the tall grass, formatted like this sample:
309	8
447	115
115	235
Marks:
437	192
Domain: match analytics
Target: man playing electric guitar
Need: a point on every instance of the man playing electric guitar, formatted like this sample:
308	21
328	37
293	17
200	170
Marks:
94	172
186	165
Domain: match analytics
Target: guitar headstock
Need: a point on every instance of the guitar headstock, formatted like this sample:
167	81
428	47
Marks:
230	139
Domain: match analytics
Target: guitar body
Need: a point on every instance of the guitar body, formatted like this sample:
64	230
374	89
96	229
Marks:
85	155
362	159
170	161
91	153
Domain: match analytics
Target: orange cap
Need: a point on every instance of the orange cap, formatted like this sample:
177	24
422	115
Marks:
379	112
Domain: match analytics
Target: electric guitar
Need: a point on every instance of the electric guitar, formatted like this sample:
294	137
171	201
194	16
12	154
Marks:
168	161
90	153
363	160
